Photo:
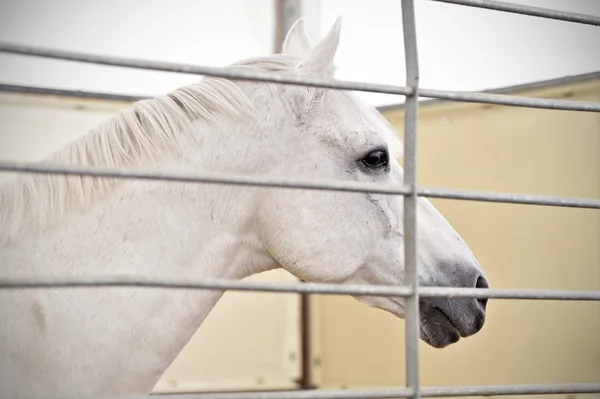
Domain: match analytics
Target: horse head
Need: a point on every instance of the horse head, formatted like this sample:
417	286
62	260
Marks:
325	236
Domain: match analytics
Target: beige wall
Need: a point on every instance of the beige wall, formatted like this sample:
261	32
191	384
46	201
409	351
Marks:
249	341
509	149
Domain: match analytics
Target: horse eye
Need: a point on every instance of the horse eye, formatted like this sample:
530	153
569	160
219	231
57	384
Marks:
376	159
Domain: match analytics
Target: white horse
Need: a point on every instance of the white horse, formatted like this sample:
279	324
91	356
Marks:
81	342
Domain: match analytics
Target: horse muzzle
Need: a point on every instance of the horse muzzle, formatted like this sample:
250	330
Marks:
445	320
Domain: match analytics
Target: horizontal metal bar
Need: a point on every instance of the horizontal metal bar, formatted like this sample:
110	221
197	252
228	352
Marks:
525	199
206	284
204	177
132	98
561	295
491	390
236	73
508	90
224	72
116	281
377	393
517	101
388	393
69	93
528	10
296	183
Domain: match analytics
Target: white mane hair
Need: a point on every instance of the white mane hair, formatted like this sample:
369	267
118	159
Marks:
139	134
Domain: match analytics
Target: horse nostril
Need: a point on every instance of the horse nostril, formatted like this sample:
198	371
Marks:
482	283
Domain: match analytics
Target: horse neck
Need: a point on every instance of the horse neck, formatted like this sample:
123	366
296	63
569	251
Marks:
140	213
158	229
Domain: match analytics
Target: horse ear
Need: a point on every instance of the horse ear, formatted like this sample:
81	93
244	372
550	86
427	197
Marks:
319	60
297	41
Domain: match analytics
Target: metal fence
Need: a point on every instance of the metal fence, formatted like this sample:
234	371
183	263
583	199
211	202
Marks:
411	291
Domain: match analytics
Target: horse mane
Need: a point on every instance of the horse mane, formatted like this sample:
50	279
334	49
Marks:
143	131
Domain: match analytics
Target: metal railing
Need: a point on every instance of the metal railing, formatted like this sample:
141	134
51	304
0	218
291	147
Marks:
412	292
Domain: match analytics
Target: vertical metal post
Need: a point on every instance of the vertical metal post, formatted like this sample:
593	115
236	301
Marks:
286	13
410	200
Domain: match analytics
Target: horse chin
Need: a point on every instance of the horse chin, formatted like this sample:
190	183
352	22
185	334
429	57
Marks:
436	329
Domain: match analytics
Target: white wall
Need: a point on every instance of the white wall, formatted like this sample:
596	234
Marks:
188	31
460	48
463	48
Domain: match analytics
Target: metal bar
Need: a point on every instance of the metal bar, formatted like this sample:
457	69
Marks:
513	90
528	10
297	183
491	390
70	93
286	13
411	269
526	199
389	393
517	101
132	98
306	361
236	73
379	393
224	72
556	295
116	281
204	177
